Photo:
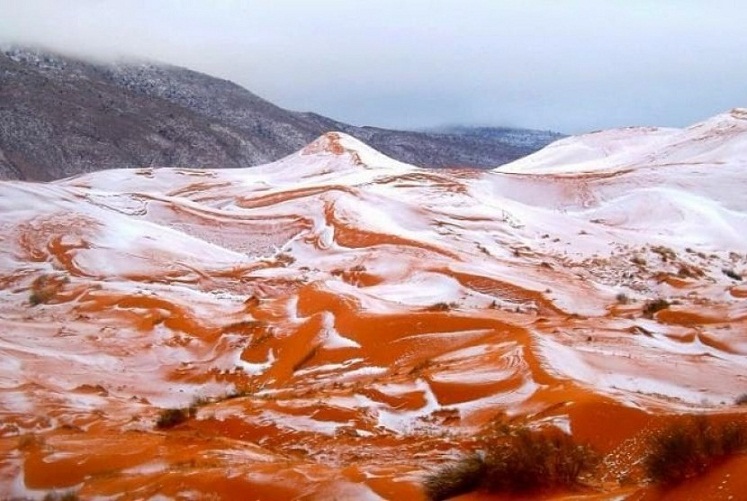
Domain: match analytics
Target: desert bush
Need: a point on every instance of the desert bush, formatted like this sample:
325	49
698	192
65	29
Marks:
655	305
689	447
236	393
36	299
522	461
741	399
463	476
638	260
533	460
168	418
732	274
622	298
689	271
65	496
200	401
45	287
665	253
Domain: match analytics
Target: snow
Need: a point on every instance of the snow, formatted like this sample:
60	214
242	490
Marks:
711	141
651	367
420	289
546	239
401	421
332	338
592	152
685	218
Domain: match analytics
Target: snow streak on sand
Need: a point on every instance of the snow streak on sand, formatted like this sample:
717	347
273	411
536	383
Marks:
340	319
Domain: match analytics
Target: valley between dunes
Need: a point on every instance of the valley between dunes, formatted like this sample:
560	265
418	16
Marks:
343	324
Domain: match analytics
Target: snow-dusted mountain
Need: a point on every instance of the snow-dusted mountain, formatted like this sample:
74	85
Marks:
342	322
60	116
530	138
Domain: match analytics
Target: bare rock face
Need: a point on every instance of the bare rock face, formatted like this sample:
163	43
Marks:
61	116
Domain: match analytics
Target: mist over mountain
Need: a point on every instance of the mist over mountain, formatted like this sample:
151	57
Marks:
62	116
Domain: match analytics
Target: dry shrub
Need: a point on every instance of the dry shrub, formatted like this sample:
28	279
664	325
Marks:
44	288
732	274
622	298
640	261
687	448
689	271
65	496
523	461
665	253
532	460
168	418
440	307
460	477
654	306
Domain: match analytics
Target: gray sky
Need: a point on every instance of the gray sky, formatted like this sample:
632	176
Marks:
567	65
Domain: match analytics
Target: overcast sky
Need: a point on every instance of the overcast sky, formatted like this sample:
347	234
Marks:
566	65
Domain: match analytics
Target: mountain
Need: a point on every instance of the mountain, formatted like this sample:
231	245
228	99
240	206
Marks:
61	116
340	324
531	139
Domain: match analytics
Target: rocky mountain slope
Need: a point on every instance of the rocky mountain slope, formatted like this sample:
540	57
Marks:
60	116
528	138
339	324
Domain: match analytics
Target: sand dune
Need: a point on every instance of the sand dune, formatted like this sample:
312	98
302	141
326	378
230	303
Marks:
344	322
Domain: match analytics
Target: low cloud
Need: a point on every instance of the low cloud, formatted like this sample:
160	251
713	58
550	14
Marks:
571	66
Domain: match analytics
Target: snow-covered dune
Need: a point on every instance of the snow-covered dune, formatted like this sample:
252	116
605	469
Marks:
718	140
337	314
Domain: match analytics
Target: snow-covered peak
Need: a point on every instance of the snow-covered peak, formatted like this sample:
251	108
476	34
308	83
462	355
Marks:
733	117
713	141
336	143
332	156
591	152
341	144
724	125
722	138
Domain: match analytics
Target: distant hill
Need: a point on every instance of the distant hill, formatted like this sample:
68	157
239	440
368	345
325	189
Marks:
528	138
61	116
